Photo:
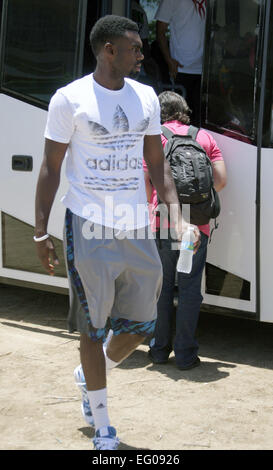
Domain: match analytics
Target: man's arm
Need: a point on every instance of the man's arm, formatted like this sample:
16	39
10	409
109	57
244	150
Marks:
47	186
161	30
148	186
161	176
219	175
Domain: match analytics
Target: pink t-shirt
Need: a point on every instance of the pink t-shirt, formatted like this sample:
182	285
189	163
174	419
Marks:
209	145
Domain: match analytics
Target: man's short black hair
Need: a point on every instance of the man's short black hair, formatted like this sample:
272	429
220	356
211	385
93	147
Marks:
108	28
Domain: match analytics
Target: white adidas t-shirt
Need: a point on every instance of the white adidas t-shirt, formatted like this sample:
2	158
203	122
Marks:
105	130
187	27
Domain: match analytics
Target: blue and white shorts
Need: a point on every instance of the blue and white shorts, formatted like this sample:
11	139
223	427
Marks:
120	279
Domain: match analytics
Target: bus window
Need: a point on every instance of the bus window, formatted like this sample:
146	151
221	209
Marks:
41	47
231	67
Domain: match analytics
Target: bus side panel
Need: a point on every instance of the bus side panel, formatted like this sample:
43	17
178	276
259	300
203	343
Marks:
266	229
21	129
232	247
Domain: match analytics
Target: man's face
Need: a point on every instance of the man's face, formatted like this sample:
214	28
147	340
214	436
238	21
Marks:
128	54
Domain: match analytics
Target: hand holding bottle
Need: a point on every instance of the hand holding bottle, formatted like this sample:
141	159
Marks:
187	249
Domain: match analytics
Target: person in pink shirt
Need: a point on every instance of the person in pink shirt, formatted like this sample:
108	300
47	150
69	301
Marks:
175	116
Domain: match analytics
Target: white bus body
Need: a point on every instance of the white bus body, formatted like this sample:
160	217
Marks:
238	277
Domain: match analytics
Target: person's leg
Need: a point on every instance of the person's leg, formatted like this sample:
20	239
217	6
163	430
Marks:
93	362
98	360
161	345
132	293
196	100
122	346
192	85
93	365
90	274
189	302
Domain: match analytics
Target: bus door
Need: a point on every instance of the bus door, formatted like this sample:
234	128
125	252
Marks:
44	45
231	99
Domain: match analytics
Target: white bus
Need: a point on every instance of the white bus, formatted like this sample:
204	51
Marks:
44	45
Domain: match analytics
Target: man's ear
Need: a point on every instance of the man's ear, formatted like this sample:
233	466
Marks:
109	48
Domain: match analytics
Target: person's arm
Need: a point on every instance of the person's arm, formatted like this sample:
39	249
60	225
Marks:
219	175
161	30
161	176
47	186
217	162
148	186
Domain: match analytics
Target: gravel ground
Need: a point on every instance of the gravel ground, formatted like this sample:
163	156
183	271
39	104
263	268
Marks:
225	404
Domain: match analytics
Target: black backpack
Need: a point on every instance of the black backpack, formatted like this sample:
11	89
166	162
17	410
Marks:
193	176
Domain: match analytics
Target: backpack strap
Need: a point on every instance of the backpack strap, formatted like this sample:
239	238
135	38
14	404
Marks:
193	131
166	132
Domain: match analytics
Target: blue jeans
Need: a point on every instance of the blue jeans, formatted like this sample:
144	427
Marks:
185	320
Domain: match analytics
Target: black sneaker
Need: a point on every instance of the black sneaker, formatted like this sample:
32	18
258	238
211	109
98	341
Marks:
195	363
156	360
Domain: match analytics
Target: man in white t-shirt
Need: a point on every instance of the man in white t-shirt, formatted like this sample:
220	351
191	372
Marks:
104	123
184	51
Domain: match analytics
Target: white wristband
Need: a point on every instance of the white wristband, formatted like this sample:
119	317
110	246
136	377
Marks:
41	239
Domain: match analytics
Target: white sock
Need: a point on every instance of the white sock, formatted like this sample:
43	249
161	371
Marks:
98	403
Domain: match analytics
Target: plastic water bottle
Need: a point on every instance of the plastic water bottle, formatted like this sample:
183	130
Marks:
184	263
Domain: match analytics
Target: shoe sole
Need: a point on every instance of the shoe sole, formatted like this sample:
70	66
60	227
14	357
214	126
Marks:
155	361
116	445
196	363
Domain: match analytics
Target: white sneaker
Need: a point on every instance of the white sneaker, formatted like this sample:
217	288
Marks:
106	439
85	405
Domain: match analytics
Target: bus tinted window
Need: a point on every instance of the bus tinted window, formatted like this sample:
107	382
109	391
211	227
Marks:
40	46
231	67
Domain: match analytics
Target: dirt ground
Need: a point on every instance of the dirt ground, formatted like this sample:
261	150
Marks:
226	403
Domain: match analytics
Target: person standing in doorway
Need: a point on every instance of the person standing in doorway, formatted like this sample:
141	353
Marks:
183	52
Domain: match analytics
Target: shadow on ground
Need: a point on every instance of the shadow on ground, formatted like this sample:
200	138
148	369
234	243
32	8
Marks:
205	373
223	339
89	432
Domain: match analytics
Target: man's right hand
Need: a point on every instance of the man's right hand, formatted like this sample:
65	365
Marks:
161	31
173	65
47	255
48	183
